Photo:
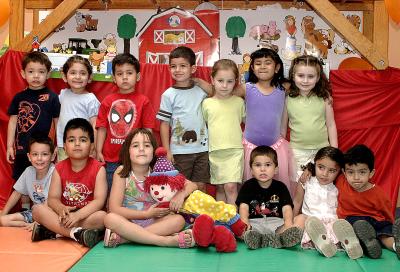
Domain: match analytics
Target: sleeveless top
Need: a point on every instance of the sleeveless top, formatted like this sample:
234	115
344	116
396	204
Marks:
135	197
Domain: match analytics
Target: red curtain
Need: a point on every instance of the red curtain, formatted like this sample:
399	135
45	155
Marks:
364	103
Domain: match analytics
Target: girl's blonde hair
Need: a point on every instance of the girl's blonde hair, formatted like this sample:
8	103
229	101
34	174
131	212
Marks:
321	89
124	156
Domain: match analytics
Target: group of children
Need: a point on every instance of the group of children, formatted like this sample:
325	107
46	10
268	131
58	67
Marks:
107	150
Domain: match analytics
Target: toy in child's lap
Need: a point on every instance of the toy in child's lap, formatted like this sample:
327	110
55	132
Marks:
164	182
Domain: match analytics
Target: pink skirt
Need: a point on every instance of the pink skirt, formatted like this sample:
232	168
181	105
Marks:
287	165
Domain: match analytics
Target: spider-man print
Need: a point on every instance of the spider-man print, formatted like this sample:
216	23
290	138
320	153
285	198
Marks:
122	117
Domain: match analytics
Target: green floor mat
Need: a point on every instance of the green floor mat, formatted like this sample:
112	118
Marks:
132	257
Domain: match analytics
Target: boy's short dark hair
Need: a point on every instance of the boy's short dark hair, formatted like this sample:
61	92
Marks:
360	154
183	52
36	56
264	150
124	58
41	139
79	123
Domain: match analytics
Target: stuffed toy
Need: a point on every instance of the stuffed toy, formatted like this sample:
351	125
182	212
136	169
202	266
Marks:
211	216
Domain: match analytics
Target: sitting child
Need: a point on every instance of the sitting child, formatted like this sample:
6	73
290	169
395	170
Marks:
34	182
266	205
317	199
77	192
365	205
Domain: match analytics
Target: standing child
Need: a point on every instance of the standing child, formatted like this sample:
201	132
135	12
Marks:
76	101
121	112
308	110
180	112
266	205
365	205
77	192
34	182
31	111
317	199
223	114
133	213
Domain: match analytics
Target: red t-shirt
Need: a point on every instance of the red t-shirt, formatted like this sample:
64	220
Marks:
120	114
78	187
373	202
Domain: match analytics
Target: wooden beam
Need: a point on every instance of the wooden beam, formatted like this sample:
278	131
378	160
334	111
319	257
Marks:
60	14
16	26
381	28
368	25
364	46
35	20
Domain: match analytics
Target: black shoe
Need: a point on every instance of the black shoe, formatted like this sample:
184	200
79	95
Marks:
40	233
89	237
396	235
366	234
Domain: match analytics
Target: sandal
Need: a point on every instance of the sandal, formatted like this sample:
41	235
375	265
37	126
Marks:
111	239
181	239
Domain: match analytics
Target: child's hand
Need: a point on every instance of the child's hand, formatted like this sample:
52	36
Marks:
154	212
29	227
62	215
305	176
100	157
10	154
71	220
176	202
170	157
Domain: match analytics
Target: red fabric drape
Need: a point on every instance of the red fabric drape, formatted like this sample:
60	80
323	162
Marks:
364	103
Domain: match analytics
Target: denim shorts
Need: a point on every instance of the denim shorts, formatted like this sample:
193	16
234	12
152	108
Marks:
27	216
110	169
381	227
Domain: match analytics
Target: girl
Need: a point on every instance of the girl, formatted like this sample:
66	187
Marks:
223	114
75	101
265	97
133	215
318	199
308	110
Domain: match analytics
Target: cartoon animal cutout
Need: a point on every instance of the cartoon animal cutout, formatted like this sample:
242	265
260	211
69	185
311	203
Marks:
344	47
317	41
85	22
111	44
96	59
291	50
91	24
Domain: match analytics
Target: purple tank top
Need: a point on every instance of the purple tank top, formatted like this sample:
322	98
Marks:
263	115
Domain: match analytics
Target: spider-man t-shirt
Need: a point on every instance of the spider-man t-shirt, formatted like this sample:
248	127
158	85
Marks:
35	110
120	114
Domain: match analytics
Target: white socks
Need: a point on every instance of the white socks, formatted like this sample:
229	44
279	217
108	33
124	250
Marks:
72	232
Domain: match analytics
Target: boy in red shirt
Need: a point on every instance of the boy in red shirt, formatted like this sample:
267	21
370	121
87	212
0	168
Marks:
365	205
77	193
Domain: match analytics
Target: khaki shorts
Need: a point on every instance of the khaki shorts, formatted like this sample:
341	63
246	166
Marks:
194	167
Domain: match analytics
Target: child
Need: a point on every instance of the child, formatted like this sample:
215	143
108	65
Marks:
223	114
264	95
31	111
121	112
34	182
308	110
133	214
76	101
266	205
180	111
365	205
77	192
318	200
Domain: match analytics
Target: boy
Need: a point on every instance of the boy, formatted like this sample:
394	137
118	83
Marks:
266	205
365	205
34	182
180	111
121	112
32	110
77	192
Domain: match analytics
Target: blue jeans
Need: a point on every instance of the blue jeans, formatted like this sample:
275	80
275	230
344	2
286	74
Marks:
110	169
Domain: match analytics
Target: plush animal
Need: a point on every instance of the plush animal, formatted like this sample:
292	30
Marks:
165	181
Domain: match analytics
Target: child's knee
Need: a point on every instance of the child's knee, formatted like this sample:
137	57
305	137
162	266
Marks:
37	210
230	188
111	220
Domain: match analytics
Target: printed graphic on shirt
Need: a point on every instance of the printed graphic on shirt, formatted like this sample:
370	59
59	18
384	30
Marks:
122	117
267	208
183	136
44	97
38	195
28	114
75	194
135	197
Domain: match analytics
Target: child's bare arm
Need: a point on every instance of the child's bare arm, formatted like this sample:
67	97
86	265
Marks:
284	121
240	90
204	85
93	123
164	135
12	126
54	198
101	137
12	200
287	216
298	199
330	123
244	213
177	201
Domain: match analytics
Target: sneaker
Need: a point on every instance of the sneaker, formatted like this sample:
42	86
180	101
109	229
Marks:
290	237
396	235
318	235
40	232
345	234
254	239
111	239
367	236
88	237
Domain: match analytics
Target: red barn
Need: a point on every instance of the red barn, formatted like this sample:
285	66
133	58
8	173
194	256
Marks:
176	27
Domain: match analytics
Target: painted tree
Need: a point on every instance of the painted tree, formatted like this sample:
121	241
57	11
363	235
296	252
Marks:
126	29
235	28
